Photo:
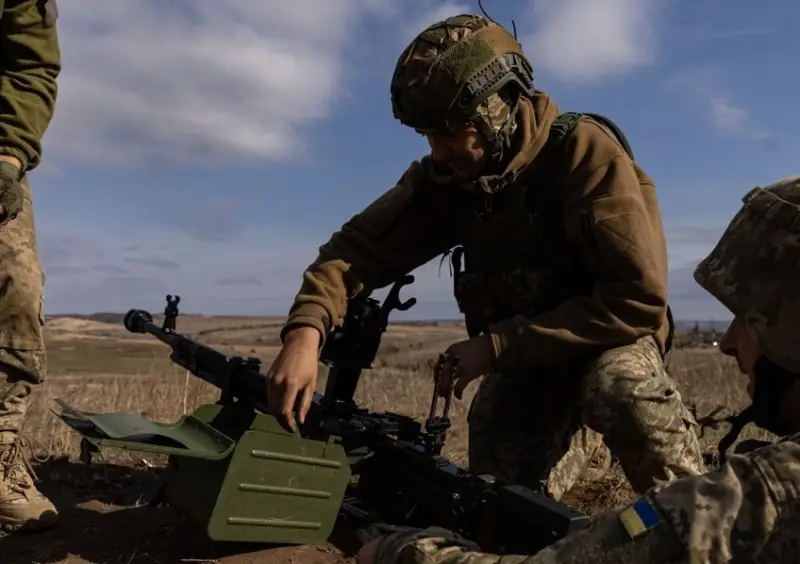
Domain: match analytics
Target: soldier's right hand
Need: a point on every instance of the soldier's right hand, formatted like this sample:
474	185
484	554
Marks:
293	374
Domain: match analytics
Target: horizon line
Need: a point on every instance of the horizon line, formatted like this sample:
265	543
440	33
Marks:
278	317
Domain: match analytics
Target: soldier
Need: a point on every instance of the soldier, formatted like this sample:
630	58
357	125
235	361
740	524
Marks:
744	511
30	62
564	286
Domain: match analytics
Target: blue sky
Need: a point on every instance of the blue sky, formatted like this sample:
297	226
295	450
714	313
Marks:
208	148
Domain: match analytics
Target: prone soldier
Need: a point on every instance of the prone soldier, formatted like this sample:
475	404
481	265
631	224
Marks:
30	62
747	509
564	281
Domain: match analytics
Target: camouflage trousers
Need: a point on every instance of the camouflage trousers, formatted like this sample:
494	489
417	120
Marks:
542	431
22	354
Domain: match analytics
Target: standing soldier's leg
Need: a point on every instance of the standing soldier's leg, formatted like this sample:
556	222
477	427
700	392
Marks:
524	432
22	366
631	400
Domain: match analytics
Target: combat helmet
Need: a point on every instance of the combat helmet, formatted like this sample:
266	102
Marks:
466	69
754	271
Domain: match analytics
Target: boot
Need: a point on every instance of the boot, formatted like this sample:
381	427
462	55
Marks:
22	506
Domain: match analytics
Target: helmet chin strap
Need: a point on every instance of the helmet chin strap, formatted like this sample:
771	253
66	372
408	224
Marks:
771	385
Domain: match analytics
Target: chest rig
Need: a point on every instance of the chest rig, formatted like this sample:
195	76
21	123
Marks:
515	257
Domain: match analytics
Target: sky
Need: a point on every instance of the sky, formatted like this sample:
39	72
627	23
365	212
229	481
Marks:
207	148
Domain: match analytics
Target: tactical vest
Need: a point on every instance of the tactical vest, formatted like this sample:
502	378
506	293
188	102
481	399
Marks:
517	258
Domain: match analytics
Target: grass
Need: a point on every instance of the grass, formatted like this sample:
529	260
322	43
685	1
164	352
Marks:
100	367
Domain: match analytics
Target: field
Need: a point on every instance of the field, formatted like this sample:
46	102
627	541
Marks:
99	366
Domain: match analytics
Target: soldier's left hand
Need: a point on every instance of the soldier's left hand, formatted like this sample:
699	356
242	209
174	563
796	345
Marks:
11	194
366	554
373	535
387	544
475	358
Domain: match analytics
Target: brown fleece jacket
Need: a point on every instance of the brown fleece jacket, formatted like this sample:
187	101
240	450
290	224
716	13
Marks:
610	213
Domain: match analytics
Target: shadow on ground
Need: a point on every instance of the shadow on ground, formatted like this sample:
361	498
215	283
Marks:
103	519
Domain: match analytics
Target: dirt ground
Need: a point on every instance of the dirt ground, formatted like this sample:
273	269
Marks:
98	366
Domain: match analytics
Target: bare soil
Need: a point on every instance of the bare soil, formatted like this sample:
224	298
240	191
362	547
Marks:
101	367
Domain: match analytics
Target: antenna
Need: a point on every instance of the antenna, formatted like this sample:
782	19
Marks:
488	17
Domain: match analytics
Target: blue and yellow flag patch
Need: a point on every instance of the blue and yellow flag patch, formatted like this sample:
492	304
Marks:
639	517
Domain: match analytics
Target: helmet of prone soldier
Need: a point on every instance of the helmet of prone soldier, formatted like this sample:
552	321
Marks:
464	70
754	270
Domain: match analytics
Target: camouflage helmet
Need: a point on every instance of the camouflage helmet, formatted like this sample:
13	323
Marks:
754	270
453	73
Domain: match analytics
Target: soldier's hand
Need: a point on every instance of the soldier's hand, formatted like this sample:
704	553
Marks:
389	544
293	376
10	192
375	534
467	361
366	554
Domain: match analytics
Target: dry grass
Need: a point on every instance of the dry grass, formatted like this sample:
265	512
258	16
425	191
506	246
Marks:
101	367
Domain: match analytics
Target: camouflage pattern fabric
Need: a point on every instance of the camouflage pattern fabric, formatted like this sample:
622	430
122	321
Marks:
22	355
22	365
497	113
604	542
629	398
745	511
10	192
523	432
754	270
441	64
526	433
29	68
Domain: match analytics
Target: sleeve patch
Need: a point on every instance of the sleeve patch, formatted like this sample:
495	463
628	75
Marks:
639	517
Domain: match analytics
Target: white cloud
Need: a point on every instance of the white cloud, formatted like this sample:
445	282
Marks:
587	40
254	271
222	79
730	119
704	86
258	271
87	273
726	116
687	244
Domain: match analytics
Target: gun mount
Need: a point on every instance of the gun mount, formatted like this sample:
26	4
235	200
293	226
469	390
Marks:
244	477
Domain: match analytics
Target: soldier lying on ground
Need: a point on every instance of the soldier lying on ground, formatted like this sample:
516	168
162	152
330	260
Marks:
30	62
564	289
744	511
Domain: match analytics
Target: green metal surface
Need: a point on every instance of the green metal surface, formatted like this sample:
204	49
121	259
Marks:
238	474
189	436
277	487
